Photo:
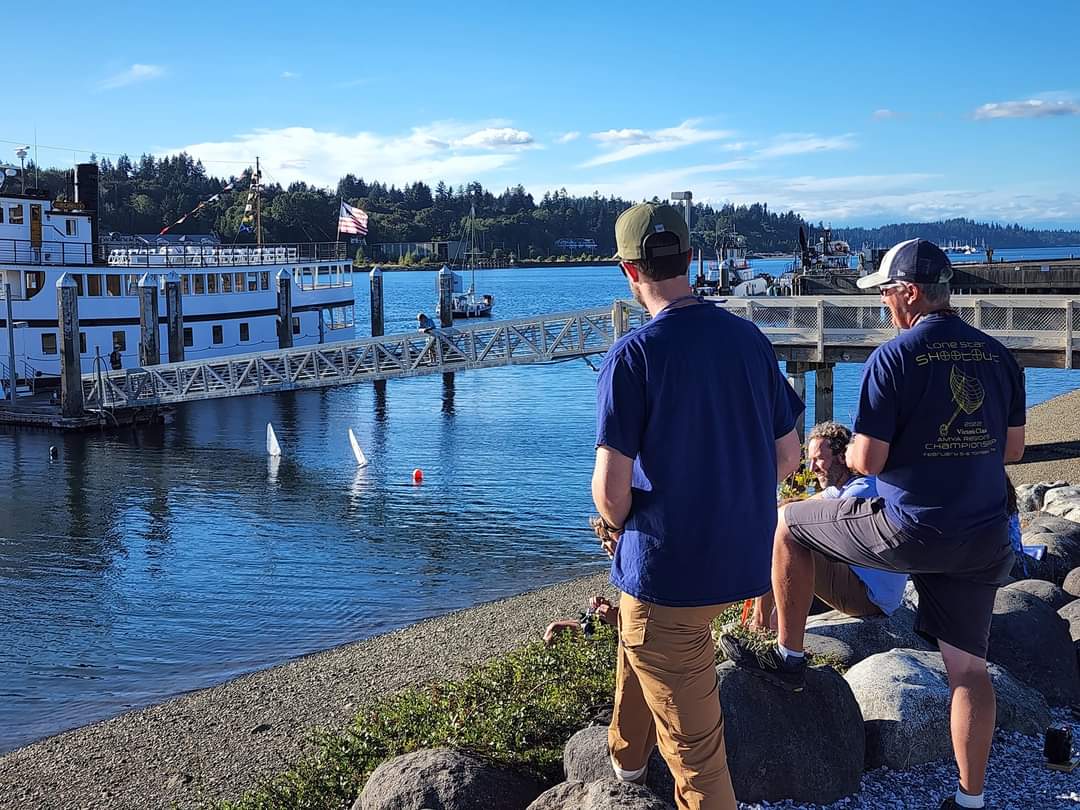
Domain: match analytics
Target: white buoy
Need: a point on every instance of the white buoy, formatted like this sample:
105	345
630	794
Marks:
361	459
272	446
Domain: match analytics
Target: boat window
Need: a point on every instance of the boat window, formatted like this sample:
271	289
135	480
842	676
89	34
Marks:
80	284
226	282
323	279
48	342
211	282
112	284
35	281
82	342
264	280
71	226
219	336
189	337
93	284
296	326
244	333
15	217
200	284
119	340
185	284
253	282
238	279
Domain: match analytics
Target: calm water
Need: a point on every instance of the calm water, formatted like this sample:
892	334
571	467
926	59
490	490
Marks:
147	563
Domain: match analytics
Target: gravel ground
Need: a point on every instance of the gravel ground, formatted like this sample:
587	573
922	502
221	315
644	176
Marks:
1017	780
1053	442
218	742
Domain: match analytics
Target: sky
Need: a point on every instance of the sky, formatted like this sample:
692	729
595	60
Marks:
853	113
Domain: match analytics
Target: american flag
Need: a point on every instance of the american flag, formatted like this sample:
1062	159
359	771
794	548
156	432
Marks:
352	220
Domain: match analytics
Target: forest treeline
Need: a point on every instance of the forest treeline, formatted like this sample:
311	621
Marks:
142	196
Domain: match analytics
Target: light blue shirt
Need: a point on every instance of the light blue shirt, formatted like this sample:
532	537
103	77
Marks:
884	588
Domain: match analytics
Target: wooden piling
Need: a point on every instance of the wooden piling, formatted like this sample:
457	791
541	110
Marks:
796	376
446	297
174	317
823	393
378	322
284	303
67	306
149	352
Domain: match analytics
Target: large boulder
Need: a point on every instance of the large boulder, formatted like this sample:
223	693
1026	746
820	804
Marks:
871	635
1050	524
586	759
1029	497
1047	591
444	779
1062	553
904	695
1071	586
1063	502
1071	614
1032	641
608	794
769	732
832	650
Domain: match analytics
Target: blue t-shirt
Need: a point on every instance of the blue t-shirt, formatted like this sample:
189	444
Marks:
696	398
942	394
884	588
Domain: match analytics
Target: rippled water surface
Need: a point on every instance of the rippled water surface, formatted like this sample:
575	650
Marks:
146	563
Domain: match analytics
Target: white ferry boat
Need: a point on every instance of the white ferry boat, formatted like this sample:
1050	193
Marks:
229	293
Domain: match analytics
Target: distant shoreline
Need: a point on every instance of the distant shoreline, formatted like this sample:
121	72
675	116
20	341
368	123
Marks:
411	268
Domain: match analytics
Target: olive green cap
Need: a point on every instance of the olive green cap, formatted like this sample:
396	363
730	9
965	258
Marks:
637	223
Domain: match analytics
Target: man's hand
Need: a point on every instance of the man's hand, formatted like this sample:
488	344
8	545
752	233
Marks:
608	535
607	612
561	626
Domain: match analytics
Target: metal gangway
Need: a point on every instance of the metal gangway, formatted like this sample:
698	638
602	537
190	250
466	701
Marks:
1040	330
539	339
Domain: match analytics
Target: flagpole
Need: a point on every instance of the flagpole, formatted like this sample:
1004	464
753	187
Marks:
337	234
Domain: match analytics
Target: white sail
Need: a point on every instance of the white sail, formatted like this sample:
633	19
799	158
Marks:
272	446
361	459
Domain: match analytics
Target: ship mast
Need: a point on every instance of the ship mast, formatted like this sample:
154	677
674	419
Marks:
258	203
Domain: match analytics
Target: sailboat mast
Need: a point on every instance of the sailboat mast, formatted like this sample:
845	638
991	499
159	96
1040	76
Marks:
258	203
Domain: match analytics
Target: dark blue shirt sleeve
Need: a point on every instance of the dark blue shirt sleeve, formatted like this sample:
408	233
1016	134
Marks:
788	406
879	398
1018	404
620	404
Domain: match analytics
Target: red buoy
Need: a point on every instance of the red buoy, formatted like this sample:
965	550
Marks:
417	475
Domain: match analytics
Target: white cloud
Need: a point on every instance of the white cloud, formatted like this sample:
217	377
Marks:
495	137
1044	107
804	143
884	114
447	150
566	137
133	75
624	144
288	74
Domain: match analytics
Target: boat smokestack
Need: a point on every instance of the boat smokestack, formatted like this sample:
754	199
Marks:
86	194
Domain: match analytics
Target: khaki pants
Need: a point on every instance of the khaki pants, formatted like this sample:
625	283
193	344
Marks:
838	586
666	693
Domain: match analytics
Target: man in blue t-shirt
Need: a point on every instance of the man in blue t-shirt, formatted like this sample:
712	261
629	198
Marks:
941	411
851	589
676	420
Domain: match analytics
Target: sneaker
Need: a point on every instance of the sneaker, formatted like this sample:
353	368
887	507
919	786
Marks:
768	664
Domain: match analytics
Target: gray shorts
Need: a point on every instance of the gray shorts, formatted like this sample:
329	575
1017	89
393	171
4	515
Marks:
956	577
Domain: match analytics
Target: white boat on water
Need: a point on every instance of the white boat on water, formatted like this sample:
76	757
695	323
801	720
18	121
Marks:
229	291
467	303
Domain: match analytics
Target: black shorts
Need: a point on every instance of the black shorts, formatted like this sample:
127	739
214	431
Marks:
956	577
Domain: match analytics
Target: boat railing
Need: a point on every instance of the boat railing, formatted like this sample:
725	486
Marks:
126	255
24	251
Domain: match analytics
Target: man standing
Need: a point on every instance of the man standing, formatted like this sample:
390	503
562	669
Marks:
851	589
941	407
676	421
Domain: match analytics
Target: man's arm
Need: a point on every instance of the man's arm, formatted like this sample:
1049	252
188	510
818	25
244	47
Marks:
866	455
788	455
1014	444
611	480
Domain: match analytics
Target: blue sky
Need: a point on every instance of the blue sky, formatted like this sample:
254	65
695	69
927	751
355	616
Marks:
855	113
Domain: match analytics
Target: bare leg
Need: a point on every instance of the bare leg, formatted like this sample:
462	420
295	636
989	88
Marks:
793	585
973	715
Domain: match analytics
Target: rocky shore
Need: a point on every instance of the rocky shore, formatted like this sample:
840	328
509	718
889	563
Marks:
216	743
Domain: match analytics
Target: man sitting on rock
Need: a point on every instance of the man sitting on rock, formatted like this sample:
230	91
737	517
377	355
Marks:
851	589
941	410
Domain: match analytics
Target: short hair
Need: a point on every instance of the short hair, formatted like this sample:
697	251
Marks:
834	433
660	268
935	294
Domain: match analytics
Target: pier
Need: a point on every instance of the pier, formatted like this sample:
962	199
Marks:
810	333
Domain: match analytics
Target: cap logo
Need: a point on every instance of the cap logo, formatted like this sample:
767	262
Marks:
658	228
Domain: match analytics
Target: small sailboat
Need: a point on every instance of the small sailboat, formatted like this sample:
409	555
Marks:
273	448
361	459
468	304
